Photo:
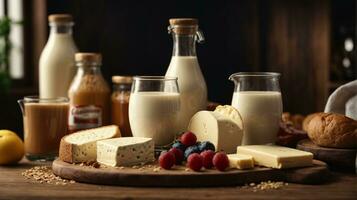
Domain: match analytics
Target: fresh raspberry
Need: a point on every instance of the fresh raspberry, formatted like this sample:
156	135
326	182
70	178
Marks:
167	160
178	155
207	158
195	162
220	161
188	139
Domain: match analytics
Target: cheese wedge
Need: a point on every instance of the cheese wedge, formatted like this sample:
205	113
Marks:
240	161
224	132
276	156
81	146
125	151
230	112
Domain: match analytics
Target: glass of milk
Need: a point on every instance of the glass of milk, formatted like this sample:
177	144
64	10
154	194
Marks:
154	108
257	97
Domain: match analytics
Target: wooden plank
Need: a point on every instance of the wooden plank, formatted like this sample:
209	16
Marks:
340	158
179	177
14	186
298	46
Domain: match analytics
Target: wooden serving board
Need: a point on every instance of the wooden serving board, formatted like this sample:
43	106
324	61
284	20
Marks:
336	158
150	176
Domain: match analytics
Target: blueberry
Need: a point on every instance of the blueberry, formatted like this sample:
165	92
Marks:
190	150
179	145
206	145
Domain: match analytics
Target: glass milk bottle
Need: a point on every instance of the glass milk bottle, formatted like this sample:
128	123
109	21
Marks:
56	65
184	65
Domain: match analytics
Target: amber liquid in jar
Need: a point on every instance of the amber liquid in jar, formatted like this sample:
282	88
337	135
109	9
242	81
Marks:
120	103
89	95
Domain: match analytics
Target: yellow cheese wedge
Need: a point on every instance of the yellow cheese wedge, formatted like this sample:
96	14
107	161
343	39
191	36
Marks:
276	156
240	161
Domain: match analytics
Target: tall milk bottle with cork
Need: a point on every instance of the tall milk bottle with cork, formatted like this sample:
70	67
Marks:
184	65
57	65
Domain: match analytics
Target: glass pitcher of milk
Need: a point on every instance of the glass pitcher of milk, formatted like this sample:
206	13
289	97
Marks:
56	65
184	65
257	96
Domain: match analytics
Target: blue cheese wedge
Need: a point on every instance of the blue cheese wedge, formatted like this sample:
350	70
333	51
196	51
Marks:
276	156
125	151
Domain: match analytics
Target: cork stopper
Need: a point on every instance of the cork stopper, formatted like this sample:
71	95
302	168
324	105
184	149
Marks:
184	25
122	79
88	57
60	18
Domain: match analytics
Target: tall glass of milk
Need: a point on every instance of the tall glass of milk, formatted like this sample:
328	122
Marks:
154	108
257	96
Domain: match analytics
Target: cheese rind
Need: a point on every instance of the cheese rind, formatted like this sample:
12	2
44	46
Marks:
217	128
81	146
276	156
240	161
125	151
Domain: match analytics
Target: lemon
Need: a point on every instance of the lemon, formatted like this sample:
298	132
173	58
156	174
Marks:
11	147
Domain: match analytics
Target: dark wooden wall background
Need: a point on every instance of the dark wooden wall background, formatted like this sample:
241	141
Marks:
290	37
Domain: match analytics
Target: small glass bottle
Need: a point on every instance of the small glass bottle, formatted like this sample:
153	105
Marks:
120	103
57	58
89	94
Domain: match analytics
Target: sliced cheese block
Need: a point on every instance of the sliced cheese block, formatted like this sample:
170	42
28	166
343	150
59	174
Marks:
240	161
125	151
81	146
276	156
219	129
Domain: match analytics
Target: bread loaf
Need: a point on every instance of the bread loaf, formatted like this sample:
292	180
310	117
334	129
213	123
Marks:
81	146
307	120
332	130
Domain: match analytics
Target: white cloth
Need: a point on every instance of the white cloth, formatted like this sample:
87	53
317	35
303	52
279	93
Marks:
344	100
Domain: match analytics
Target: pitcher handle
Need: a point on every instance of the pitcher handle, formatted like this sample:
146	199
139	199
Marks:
21	103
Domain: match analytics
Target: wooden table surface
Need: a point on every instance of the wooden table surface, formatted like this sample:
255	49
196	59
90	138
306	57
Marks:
14	186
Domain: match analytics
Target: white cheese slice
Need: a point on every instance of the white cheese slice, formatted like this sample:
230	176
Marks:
240	161
81	146
276	156
221	130
125	151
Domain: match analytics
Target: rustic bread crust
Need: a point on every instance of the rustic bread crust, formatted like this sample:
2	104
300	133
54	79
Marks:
66	151
332	130
308	119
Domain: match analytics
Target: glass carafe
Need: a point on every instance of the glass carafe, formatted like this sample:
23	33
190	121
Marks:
257	97
184	65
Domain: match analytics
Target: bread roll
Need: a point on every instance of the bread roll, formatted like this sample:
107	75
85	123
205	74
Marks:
332	130
307	120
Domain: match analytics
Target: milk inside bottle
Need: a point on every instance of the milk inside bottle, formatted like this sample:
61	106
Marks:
184	65
56	65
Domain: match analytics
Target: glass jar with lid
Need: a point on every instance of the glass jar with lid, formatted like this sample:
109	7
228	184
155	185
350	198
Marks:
89	94
120	103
